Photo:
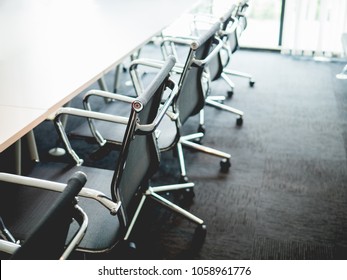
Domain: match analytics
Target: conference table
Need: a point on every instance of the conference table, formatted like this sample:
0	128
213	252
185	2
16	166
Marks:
51	51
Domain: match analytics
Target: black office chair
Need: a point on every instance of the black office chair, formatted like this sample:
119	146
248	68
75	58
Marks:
234	22
192	95
47	238
233	39
190	101
120	194
217	67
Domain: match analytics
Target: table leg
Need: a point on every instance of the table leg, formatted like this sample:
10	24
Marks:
32	146
18	156
57	151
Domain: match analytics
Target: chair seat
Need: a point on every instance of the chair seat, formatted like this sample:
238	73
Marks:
167	134
21	219
113	132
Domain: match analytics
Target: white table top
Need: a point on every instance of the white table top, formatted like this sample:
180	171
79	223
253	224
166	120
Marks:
51	50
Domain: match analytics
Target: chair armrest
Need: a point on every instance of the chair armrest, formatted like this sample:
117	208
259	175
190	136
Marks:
86	114
112	206
205	18
103	94
182	40
74	185
205	21
212	54
162	111
232	28
8	247
168	44
151	63
82	219
106	94
154	63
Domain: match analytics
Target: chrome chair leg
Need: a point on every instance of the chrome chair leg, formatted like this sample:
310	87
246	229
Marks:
179	210
229	82
152	192
204	149
216	104
136	215
240	74
182	163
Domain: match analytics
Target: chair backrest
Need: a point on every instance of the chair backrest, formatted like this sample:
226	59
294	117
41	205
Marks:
191	96
236	14
241	15
139	155
47	240
233	23
229	37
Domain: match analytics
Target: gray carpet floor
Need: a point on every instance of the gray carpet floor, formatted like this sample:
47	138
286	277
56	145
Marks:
285	196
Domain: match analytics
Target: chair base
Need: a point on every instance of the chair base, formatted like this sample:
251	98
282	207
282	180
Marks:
211	101
240	74
152	192
187	141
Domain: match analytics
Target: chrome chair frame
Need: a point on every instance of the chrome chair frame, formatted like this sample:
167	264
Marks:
174	114
139	129
10	245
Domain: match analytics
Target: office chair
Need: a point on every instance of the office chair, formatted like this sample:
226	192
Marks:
113	199
189	101
233	39
233	23
46	239
192	95
217	66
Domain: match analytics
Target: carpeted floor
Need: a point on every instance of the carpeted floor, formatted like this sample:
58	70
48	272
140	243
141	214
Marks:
285	196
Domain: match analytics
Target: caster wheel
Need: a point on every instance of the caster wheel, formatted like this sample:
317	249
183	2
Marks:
131	252
183	179
131	246
128	250
230	93
225	165
239	121
199	237
188	194
251	83
201	128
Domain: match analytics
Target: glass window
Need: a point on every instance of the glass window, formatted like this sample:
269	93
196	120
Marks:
263	29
